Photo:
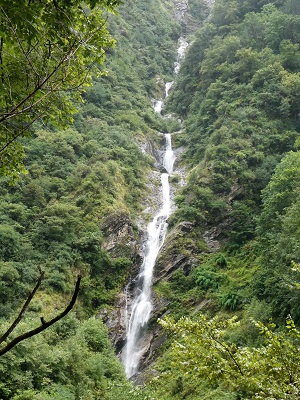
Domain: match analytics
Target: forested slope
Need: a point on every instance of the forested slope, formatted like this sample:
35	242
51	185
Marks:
242	118
238	92
52	218
236	226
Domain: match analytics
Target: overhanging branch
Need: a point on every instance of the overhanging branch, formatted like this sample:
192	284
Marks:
44	324
24	308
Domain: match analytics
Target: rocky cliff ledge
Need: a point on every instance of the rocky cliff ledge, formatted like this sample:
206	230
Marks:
119	236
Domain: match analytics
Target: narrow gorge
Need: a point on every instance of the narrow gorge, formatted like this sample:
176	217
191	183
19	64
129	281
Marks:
137	344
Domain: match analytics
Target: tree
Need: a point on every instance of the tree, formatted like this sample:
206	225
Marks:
280	194
48	51
278	239
201	351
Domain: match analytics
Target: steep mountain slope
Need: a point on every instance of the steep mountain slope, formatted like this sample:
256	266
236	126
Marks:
233	243
242	117
74	213
234	236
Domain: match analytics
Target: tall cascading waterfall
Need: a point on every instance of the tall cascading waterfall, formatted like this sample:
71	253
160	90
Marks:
156	231
183	44
142	307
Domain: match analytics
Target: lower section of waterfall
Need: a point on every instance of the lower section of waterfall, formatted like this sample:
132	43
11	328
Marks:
141	307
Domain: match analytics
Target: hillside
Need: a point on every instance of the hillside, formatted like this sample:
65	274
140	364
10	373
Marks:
232	247
233	236
85	185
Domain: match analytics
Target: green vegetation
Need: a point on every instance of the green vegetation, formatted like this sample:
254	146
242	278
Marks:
77	179
227	371
71	361
47	51
238	93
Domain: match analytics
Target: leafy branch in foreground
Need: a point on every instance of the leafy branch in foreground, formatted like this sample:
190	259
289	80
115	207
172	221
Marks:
44	324
201	351
48	50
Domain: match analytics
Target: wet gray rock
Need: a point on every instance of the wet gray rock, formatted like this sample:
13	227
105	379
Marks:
210	237
175	253
119	236
116	320
181	7
149	148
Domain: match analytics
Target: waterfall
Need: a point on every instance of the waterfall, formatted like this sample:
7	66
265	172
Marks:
141	306
158	105
168	87
183	44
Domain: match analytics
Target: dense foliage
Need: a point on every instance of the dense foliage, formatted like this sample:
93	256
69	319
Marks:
238	92
77	177
48	50
227	371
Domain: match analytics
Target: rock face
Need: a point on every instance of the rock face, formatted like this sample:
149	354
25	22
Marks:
210	3
149	148
181	7
120	238
183	13
116	320
176	253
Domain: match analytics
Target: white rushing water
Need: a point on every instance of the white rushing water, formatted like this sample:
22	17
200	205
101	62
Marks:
183	44
168	87
158	105
142	307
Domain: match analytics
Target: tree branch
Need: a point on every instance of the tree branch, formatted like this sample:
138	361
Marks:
44	324
65	58
226	348
24	308
19	133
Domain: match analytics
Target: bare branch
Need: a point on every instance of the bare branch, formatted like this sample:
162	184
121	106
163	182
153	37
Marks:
25	54
65	58
12	113
24	308
44	324
48	80
229	352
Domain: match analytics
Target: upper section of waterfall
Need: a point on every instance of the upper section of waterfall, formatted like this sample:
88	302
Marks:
169	157
183	44
158	105
168	87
